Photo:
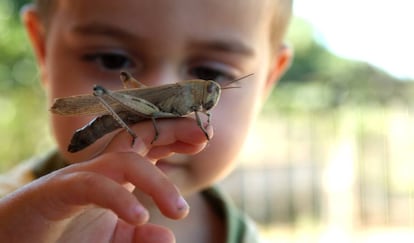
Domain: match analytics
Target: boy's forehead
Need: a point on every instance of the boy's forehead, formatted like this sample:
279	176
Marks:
236	19
182	4
167	11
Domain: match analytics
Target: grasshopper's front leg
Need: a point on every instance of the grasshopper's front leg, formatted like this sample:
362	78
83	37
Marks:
200	124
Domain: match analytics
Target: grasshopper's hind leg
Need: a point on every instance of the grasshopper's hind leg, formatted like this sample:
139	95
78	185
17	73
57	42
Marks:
129	81
98	92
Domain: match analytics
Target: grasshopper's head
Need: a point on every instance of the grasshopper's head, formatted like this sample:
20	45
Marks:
211	94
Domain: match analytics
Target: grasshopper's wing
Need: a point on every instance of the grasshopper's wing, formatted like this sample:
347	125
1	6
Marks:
172	98
86	104
165	97
77	105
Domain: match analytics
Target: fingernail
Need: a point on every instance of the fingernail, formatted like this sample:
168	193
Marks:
182	204
210	131
140	147
140	214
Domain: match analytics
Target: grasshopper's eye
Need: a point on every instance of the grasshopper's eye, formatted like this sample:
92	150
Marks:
213	87
99	90
110	61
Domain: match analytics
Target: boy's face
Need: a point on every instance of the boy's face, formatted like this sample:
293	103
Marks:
160	42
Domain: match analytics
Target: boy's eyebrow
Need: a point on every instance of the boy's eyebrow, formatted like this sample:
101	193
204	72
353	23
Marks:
101	29
221	45
232	46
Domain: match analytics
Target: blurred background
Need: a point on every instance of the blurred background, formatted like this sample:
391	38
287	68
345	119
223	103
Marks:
330	159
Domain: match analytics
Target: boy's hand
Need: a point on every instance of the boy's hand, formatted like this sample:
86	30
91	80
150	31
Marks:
72	204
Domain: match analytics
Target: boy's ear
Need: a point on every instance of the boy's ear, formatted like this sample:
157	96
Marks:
281	64
36	32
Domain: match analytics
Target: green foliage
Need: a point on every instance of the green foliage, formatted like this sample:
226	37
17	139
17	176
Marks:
17	66
23	127
319	80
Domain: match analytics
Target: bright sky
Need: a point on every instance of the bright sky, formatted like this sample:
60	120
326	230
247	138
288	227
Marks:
379	32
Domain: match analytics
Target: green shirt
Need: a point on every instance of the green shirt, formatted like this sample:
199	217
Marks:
240	229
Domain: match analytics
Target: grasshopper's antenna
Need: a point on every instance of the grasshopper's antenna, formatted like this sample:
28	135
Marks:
226	85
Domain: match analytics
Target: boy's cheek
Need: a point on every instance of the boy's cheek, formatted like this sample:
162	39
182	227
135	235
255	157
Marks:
229	131
232	120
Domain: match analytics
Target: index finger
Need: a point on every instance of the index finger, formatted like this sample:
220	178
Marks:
178	135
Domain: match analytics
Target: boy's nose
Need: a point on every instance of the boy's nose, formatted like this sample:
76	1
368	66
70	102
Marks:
159	77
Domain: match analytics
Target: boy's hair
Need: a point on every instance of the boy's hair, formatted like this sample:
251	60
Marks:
44	8
280	19
282	13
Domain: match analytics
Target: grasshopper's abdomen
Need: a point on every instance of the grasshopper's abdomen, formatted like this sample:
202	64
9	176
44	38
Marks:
97	128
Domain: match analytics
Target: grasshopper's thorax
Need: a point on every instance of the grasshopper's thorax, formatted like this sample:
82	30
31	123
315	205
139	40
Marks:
211	94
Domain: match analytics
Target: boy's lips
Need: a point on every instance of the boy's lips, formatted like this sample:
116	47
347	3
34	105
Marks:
173	162
167	166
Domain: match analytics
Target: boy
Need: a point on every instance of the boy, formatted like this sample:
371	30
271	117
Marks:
124	194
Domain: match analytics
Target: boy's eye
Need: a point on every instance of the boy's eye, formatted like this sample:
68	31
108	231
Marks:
110	61
209	73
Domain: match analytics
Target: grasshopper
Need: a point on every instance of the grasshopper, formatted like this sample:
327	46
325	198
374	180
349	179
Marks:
121	108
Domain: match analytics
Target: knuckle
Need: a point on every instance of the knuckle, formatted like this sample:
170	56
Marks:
163	187
78	181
